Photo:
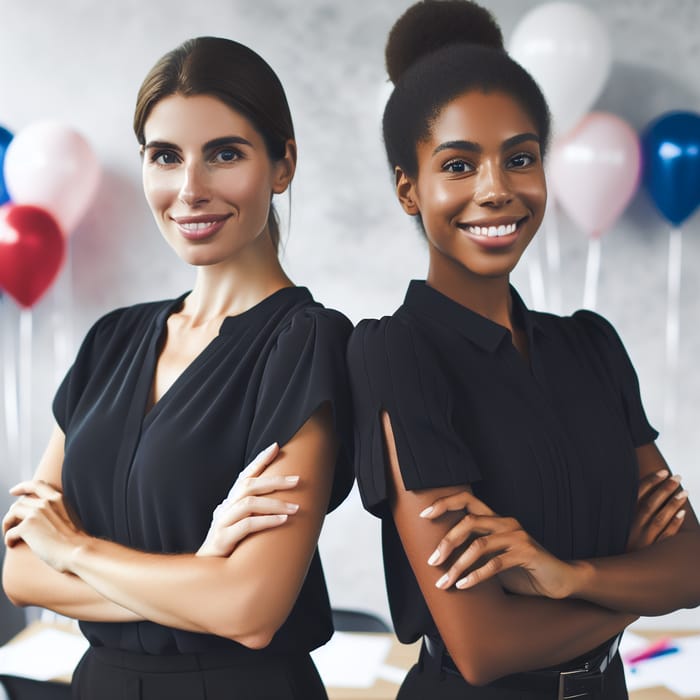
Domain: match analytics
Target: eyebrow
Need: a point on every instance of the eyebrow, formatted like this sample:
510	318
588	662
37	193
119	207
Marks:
476	148
208	146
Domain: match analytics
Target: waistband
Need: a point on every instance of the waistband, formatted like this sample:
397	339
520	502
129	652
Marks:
172	663
583	679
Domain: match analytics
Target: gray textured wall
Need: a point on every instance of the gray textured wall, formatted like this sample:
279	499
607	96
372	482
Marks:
81	62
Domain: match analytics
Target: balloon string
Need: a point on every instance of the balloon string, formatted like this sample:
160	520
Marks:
25	393
534	268
673	326
9	366
61	319
553	257
590	289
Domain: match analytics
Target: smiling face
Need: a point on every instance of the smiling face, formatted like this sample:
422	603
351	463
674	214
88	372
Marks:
480	188
208	178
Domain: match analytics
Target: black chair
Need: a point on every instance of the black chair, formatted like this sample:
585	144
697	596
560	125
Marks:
358	621
27	689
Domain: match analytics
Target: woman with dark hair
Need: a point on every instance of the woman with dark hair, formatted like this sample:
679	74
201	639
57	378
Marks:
532	423
165	404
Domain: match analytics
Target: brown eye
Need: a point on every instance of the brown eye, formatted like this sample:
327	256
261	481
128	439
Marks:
457	166
522	160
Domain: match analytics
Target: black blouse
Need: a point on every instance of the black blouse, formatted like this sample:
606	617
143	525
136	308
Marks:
151	480
550	442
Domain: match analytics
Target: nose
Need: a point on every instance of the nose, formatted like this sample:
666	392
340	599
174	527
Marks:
194	188
492	186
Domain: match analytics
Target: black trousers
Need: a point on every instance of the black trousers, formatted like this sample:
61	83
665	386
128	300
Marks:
427	681
107	674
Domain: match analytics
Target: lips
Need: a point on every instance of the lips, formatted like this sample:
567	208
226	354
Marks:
197	228
495	233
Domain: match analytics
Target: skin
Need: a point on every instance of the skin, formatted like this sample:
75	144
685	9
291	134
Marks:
205	168
479	166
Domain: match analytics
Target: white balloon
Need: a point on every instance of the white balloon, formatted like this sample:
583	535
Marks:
566	48
50	165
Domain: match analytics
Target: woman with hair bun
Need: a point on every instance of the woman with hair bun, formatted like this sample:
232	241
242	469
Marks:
465	400
165	404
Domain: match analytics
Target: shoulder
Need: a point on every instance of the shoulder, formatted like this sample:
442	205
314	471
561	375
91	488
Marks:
124	322
312	323
381	339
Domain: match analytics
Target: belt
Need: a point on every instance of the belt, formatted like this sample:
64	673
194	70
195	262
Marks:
584	680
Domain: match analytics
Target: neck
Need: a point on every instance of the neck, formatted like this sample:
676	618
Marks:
232	287
488	296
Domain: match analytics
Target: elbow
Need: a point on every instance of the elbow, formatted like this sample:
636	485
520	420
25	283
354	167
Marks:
13	588
257	635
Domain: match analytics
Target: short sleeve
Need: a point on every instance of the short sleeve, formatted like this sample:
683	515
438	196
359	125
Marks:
612	353
73	385
393	369
305	369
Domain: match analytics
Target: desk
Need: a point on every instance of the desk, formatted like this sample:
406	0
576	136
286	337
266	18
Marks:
403	656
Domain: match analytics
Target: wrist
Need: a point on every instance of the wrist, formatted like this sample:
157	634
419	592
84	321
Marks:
579	582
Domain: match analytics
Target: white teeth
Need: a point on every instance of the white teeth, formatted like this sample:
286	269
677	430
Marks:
492	231
197	226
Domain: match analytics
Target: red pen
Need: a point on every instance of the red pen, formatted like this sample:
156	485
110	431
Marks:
653	649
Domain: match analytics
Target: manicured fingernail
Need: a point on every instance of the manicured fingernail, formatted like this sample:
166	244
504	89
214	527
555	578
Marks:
291	479
463	582
680	514
676	477
292	507
425	513
662	473
434	557
681	495
442	581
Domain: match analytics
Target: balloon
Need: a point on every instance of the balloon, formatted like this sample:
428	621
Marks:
566	49
5	138
32	249
671	148
594	171
53	167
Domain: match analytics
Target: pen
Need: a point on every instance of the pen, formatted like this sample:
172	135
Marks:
660	652
649	651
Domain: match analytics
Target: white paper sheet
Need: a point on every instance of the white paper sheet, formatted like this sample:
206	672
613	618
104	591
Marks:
678	672
352	660
44	655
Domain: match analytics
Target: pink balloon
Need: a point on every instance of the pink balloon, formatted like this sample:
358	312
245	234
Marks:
52	166
594	171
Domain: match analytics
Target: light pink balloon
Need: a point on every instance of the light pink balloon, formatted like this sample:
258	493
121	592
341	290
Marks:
52	166
594	171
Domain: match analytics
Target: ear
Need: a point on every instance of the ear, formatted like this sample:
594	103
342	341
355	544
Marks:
285	168
406	192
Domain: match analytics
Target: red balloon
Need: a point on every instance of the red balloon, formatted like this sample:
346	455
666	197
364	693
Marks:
32	250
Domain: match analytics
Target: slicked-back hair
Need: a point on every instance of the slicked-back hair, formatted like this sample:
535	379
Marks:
232	73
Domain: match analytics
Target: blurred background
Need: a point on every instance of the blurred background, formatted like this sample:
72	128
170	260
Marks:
80	63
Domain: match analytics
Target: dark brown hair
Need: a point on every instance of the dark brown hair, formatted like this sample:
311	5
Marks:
234	74
436	51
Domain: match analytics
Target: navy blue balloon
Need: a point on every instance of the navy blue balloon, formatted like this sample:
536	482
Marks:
5	138
671	153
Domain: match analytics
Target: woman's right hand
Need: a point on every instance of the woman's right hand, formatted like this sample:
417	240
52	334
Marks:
249	507
497	546
660	510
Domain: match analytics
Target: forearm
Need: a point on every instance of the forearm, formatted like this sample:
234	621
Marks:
29	581
656	580
183	590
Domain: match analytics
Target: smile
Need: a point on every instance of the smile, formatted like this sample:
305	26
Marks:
197	228
492	231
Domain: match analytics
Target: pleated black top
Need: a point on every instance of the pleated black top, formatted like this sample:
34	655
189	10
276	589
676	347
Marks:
550	442
151	480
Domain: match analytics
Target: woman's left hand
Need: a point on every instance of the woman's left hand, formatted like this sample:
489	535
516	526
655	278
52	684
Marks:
497	546
40	518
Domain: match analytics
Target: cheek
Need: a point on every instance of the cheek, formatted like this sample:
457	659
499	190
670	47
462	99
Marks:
159	189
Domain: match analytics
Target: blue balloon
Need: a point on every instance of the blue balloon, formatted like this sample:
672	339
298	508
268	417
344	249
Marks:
671	153
5	138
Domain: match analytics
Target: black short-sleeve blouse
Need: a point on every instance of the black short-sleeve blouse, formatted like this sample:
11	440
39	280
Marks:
550	442
151	480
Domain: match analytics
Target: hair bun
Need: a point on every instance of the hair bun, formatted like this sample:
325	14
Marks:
430	25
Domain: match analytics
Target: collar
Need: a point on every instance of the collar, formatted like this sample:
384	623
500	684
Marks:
487	334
